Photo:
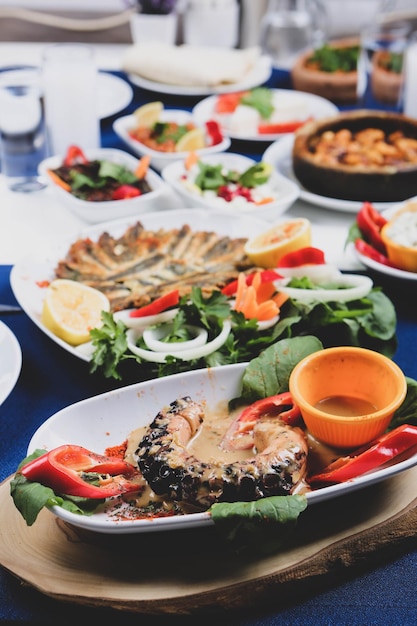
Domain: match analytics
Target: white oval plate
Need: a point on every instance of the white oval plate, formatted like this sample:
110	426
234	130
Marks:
10	361
106	420
114	94
259	75
318	107
28	276
279	154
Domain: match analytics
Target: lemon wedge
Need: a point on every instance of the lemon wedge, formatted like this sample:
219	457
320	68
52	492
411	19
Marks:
195	139
266	249
71	310
148	114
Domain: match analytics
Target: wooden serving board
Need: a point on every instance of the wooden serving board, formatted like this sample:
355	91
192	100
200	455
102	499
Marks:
185	571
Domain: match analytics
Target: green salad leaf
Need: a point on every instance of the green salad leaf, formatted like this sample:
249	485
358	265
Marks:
262	526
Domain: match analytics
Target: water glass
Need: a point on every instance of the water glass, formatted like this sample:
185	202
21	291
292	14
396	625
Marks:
381	66
69	77
291	26
22	129
410	78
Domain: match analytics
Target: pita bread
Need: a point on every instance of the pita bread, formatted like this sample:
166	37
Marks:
189	65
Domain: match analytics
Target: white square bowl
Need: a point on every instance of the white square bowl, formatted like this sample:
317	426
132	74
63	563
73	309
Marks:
96	212
159	160
285	190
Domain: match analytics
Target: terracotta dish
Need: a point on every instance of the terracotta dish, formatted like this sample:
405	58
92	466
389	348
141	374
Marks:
359	155
338	86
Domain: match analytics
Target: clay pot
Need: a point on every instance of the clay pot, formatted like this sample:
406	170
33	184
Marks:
339	87
373	183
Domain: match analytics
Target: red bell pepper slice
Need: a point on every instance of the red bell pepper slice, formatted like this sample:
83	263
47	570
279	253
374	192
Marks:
214	132
367	250
74	155
303	256
380	451
125	191
370	223
239	434
267	276
157	306
60	470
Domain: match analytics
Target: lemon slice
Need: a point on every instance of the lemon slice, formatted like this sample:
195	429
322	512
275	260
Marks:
71	310
266	249
148	114
195	139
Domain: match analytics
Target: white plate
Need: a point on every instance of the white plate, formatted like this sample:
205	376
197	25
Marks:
10	361
27	276
259	75
380	267
114	94
123	124
279	154
106	420
318	107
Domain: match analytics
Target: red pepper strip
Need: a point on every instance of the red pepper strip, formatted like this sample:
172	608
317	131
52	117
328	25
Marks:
364	248
303	256
370	223
214	132
74	155
239	434
267	276
375	454
284	127
125	191
157	306
59	469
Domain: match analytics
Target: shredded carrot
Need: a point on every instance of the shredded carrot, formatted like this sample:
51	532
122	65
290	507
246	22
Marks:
190	160
258	300
58	181
143	166
265	201
280	298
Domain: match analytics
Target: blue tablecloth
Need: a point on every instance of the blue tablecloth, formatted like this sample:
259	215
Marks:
51	379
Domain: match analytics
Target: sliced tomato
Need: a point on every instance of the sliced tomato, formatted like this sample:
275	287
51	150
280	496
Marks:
303	256
125	191
74	155
279	128
228	102
163	303
214	132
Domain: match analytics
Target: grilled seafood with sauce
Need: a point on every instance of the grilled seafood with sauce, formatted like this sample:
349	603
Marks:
142	265
277	468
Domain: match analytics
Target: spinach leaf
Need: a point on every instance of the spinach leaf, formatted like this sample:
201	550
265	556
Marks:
262	526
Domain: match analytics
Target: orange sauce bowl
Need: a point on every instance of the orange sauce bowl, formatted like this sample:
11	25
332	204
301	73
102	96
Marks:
347	395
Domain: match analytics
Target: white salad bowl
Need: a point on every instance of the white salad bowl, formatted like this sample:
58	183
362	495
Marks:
97	212
284	190
159	160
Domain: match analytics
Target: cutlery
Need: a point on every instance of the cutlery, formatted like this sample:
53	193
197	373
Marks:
9	308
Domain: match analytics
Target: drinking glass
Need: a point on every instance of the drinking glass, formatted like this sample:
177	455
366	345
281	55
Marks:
70	81
381	66
22	129
410	77
289	27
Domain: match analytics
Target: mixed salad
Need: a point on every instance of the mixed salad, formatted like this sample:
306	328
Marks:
99	180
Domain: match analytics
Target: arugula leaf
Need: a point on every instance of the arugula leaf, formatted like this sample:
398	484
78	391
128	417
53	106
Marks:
31	497
268	374
261	526
406	413
116	171
260	98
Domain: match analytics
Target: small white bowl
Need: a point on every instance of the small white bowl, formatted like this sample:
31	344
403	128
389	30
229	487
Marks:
286	190
159	160
96	212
